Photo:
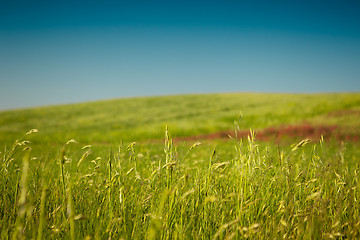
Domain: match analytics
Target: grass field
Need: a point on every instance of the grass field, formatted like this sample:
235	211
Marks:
113	170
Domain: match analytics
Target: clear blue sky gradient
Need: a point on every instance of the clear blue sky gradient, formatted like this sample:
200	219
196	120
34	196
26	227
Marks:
55	52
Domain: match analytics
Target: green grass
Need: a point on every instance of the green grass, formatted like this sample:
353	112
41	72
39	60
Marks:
57	188
215	190
137	119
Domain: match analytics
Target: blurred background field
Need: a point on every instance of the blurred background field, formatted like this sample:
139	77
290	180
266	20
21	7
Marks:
135	119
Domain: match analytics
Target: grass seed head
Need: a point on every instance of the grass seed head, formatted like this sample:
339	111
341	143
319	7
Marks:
32	131
195	145
71	141
300	144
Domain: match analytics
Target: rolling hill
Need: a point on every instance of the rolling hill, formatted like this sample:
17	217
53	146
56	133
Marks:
135	119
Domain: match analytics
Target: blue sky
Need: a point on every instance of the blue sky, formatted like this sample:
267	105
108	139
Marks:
55	52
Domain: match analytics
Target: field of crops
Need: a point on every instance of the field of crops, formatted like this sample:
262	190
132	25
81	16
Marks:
183	167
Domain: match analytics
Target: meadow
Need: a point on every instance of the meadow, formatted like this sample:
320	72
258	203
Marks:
128	169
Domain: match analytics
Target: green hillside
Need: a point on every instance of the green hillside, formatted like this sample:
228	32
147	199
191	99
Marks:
135	119
106	187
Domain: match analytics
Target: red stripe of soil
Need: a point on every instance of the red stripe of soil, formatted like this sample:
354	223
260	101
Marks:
279	133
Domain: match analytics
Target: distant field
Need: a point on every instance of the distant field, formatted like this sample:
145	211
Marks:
135	119
113	170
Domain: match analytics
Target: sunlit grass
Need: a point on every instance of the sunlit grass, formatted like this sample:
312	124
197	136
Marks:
215	190
106	170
